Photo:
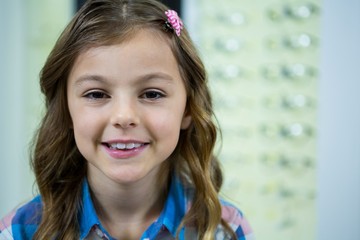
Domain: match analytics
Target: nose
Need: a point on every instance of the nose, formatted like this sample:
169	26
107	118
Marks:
124	114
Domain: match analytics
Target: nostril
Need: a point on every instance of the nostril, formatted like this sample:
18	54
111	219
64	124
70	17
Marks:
125	125
125	118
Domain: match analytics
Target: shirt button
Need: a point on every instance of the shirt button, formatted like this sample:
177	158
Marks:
99	232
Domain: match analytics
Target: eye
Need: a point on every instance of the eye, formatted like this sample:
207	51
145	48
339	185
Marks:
152	95
96	95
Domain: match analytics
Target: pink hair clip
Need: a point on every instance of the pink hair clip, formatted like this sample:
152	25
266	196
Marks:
174	20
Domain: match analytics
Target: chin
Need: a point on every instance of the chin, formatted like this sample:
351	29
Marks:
126	177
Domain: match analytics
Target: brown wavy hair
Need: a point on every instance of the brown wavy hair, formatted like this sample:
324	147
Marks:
58	165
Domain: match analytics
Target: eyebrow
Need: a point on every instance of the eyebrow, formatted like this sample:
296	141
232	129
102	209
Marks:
89	78
147	77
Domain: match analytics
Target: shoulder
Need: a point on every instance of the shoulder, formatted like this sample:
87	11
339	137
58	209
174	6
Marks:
236	220
233	216
22	222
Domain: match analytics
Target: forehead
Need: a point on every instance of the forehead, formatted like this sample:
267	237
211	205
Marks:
144	52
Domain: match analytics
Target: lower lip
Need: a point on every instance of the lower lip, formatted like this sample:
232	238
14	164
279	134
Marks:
124	154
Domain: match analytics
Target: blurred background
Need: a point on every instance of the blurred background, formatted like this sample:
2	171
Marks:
285	80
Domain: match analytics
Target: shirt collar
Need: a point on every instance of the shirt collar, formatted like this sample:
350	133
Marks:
175	206
170	217
88	217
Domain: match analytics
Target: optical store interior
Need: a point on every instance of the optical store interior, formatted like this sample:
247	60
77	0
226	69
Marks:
285	80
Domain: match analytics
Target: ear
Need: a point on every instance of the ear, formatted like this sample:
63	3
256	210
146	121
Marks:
186	121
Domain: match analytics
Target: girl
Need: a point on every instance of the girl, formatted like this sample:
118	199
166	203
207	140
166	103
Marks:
125	150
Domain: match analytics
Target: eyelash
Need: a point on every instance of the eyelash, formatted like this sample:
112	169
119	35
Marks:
95	95
158	94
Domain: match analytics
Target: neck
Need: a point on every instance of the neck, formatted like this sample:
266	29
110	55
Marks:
128	208
128	199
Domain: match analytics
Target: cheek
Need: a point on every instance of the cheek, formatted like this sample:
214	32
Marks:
82	137
167	125
84	125
86	134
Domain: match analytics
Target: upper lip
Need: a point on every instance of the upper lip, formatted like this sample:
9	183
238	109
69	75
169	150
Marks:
125	141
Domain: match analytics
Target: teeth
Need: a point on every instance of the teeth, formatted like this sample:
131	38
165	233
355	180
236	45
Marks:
122	146
130	146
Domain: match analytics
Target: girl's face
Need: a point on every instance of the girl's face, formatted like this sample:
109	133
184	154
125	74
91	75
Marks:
127	104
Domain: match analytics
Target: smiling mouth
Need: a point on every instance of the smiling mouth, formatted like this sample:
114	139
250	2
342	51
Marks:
124	146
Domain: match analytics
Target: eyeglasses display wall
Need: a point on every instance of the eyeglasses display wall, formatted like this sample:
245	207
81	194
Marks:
262	58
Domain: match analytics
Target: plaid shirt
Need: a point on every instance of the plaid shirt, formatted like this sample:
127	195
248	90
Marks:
22	223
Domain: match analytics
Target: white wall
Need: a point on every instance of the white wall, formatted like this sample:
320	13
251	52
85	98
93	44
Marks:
14	169
28	30
339	122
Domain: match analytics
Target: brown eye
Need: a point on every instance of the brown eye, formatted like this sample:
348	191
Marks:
152	95
96	95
